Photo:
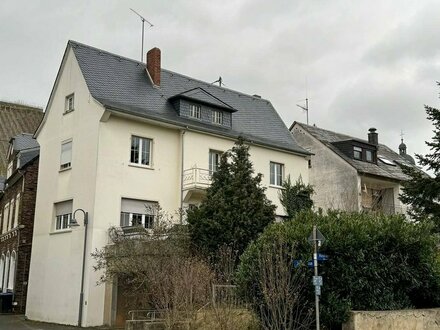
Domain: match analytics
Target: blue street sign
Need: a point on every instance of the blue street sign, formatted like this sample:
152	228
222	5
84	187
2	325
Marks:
310	263
296	263
322	257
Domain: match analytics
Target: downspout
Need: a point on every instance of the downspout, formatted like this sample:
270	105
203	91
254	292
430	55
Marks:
182	153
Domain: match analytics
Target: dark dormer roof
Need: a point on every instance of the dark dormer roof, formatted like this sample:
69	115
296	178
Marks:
123	86
2	183
23	141
381	169
199	95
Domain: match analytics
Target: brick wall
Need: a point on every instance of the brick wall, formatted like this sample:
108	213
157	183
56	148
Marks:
19	239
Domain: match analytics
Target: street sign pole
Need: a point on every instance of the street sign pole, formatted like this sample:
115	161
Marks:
315	264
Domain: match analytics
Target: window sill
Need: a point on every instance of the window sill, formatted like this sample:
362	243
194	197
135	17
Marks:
68	111
141	166
276	187
65	169
61	231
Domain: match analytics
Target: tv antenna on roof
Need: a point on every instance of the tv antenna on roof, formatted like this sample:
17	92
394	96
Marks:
143	19
306	108
219	81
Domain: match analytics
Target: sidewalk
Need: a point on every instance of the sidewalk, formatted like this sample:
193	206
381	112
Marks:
18	322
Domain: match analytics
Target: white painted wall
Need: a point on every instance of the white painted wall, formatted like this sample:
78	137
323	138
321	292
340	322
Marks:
54	281
336	183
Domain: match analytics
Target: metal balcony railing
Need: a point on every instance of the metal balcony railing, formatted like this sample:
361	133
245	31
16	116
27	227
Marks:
196	178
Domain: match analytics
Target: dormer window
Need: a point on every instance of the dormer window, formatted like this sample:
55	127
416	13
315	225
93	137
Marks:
195	111
357	153
217	117
369	156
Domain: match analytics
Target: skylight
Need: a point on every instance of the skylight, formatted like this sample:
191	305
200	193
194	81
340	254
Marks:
386	161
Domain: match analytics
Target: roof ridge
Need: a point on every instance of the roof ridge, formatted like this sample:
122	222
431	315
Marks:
215	86
73	42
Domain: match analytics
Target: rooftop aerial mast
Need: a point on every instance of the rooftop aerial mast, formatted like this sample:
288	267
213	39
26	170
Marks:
143	19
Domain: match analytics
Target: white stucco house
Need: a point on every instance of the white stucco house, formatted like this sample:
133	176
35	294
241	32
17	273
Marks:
117	135
353	174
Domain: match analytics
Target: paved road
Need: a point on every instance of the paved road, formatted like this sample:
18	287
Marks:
18	322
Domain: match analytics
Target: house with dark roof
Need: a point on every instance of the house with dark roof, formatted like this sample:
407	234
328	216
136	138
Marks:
17	206
353	174
15	118
119	138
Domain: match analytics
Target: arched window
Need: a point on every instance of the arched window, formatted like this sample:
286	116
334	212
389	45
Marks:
2	271
6	272
11	280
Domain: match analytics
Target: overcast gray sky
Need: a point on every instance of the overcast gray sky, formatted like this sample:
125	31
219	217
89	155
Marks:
361	63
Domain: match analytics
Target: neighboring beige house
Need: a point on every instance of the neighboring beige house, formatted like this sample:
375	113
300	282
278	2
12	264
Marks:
353	174
117	137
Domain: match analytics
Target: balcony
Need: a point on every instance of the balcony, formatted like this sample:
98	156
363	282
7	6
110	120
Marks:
194	183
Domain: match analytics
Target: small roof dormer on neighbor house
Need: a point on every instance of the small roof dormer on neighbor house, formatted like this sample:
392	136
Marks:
353	174
119	138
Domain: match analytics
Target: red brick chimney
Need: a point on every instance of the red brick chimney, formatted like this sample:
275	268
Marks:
153	65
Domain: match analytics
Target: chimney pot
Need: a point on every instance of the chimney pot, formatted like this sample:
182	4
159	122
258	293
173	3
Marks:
153	65
373	137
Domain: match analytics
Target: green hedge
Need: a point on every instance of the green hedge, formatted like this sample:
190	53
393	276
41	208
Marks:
375	262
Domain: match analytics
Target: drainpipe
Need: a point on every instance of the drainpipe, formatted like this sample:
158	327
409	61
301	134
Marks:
182	151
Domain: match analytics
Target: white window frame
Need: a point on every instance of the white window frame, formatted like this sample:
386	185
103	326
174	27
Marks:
17	209
217	117
145	210
214	160
69	103
62	218
6	272
11	214
66	155
276	174
140	151
11	273
6	217
356	150
195	111
10	169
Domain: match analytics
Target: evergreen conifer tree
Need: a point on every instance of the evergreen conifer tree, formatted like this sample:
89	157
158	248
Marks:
235	209
422	192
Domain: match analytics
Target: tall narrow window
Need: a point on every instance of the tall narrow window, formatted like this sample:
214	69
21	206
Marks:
140	152
11	279
276	174
5	218
17	209
214	160
136	212
70	103
217	117
369	156
11	215
195	111
6	272
66	155
63	214
2	271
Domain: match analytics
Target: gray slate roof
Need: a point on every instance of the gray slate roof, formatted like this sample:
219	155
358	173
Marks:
24	141
380	169
122	85
26	146
2	183
199	94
